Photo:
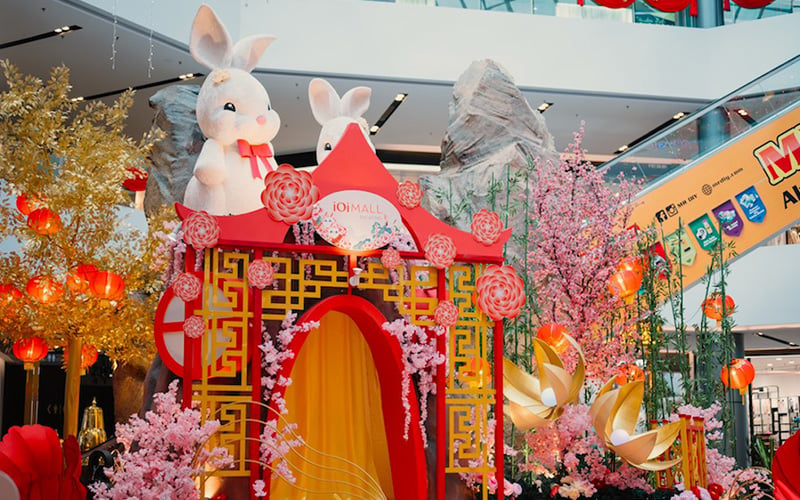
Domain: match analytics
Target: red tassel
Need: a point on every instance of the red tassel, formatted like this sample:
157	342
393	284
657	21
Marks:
693	8
726	4
580	2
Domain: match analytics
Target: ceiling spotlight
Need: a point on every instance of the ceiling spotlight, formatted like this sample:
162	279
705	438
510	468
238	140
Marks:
623	148
544	107
769	364
180	78
745	115
76	99
396	102
678	116
63	30
778	359
791	361
760	334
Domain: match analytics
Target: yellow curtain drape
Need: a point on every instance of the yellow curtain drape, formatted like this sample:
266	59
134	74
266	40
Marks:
335	399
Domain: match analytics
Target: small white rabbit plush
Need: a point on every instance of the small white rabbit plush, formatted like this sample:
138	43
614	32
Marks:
235	115
335	114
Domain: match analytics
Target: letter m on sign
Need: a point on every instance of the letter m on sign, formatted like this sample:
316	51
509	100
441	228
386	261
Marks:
780	160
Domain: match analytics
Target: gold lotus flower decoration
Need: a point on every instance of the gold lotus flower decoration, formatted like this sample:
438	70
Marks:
614	415
535	401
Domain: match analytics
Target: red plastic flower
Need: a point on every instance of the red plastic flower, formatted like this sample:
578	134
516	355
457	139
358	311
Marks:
501	292
289	194
187	287
409	194
446	314
440	251
194	327
486	227
390	258
260	273
201	230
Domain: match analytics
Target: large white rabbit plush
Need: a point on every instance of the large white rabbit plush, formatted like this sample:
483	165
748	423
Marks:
235	115
335	114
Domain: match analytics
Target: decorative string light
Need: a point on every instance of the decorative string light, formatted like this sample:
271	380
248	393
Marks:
114	38
150	67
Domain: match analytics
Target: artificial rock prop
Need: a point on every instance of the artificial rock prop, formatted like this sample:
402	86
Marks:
491	126
173	157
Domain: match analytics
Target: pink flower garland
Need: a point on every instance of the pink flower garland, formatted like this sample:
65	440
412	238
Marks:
275	445
420	357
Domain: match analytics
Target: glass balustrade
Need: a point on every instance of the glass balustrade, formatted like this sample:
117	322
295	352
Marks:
711	128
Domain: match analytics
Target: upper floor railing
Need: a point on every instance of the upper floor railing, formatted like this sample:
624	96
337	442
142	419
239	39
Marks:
638	12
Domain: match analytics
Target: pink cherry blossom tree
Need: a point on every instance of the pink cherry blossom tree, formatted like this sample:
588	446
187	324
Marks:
577	237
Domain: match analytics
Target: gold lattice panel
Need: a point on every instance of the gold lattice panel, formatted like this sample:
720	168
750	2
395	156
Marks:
224	349
300	282
403	293
469	393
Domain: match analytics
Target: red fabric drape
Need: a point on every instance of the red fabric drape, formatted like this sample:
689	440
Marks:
785	467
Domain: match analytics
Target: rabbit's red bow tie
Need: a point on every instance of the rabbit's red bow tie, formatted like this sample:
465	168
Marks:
254	151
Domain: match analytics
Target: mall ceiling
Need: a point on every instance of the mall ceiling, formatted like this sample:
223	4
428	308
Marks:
417	126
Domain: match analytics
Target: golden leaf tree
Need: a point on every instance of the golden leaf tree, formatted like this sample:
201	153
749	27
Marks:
68	160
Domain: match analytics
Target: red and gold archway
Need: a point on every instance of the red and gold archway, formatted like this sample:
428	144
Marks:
313	279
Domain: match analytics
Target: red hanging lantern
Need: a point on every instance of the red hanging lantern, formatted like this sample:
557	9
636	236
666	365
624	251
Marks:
612	4
44	289
633	264
624	284
476	373
107	286
137	180
553	335
8	294
24	205
674	5
80	278
713	305
738	374
88	356
629	373
30	351
44	221
752	4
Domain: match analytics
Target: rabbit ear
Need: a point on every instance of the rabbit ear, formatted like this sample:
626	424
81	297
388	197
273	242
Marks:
355	101
209	42
248	51
325	102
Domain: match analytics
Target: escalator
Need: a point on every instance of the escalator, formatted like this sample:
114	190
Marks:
726	171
